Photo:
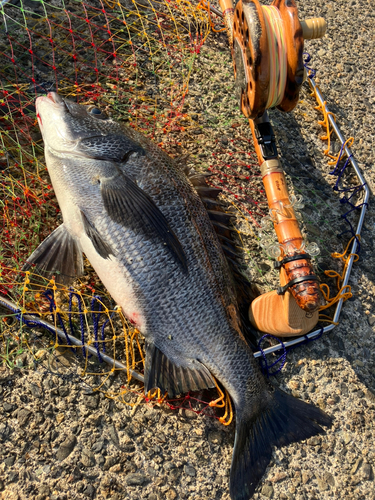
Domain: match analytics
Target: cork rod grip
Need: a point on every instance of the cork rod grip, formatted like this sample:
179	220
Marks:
306	293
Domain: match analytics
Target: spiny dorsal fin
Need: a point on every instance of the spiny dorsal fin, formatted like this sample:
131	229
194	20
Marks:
222	229
211	204
230	251
221	219
207	192
220	216
200	179
181	162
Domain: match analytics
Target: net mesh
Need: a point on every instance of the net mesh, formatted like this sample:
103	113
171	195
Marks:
137	60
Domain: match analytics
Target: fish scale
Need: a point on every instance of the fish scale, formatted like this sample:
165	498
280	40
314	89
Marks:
147	234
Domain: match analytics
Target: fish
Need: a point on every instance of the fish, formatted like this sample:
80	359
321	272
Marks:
144	224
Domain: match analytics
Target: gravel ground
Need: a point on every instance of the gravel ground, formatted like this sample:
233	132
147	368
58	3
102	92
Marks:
61	441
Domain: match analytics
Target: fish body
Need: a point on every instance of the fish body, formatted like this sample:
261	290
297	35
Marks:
143	227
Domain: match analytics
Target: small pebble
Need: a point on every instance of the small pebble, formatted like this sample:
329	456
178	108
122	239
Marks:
135	479
66	447
189	470
267	490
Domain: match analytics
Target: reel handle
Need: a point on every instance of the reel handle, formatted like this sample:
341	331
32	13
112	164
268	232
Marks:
314	28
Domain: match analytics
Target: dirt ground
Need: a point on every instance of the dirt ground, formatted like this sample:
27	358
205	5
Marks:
62	441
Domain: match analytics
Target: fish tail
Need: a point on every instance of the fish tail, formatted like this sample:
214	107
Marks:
286	420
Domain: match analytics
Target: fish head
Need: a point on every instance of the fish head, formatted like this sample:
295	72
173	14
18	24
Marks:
72	129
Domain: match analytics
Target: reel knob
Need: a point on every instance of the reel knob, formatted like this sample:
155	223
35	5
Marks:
314	28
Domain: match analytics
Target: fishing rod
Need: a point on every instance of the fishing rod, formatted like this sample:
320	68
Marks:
267	51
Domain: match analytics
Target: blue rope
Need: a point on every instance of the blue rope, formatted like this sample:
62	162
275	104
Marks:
82	323
29	323
308	340
266	368
311	72
52	306
103	327
338	171
72	329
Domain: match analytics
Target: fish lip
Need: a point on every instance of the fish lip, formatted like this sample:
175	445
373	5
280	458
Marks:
55	99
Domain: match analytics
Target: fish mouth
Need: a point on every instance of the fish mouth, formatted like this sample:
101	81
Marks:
53	97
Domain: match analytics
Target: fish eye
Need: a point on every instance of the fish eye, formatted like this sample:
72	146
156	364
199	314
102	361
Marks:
93	110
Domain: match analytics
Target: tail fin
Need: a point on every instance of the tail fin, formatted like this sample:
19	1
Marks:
287	420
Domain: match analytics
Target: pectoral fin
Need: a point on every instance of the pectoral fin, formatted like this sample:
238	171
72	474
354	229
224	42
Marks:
58	254
127	204
103	249
174	378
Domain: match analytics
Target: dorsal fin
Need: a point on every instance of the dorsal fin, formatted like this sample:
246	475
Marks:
220	216
223	230
230	251
181	162
207	191
211	204
221	221
199	179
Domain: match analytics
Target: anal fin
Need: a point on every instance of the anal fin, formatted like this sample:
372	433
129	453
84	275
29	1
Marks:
174	378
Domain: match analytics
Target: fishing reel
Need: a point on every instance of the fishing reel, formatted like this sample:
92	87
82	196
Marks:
267	52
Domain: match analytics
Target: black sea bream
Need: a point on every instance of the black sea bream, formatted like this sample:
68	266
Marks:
143	227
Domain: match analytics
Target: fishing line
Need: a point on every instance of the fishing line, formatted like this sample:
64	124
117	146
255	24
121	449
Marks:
277	54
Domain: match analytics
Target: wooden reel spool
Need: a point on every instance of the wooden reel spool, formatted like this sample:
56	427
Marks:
252	49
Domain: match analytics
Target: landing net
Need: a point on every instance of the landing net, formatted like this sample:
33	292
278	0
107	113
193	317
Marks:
140	62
